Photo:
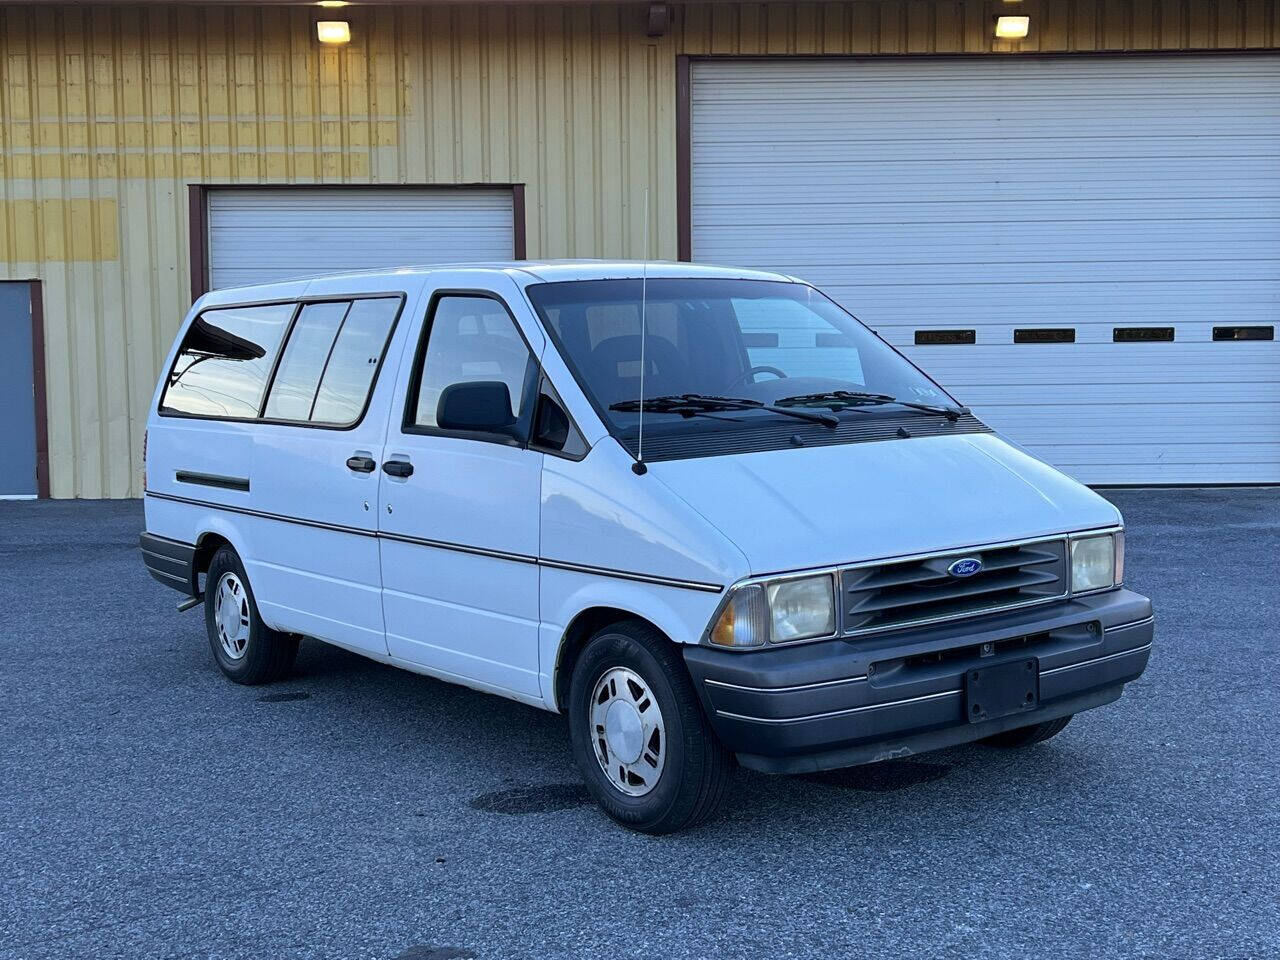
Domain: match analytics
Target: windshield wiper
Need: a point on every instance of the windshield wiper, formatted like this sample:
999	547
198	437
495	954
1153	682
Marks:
845	399
693	404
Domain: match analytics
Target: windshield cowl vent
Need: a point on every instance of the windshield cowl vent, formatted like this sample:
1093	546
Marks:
753	433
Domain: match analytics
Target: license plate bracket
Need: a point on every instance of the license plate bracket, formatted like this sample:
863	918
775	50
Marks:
1002	689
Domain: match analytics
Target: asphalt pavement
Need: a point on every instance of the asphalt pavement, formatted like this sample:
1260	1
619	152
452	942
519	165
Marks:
149	808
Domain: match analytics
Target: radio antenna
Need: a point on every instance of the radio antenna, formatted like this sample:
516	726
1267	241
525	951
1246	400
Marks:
638	467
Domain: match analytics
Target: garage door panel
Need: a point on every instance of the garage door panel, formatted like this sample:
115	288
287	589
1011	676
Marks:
1092	324
991	329
1029	209
1100	78
1147	423
972	384
894	128
263	235
776	174
1058	391
1139	467
989	194
1202	302
823	271
1046	242
1163	454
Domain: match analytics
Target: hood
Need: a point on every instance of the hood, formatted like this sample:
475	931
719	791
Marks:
826	506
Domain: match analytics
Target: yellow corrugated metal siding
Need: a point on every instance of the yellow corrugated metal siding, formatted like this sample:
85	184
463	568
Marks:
106	114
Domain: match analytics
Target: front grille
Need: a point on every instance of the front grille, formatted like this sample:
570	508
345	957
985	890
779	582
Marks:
897	593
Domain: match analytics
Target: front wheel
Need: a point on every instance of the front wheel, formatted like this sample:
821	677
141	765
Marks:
645	749
246	650
1026	736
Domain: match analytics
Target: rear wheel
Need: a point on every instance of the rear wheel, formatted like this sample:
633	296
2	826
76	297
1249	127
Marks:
246	650
645	749
1027	736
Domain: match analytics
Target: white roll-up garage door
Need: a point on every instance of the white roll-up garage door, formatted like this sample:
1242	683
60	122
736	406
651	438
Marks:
262	235
1105	232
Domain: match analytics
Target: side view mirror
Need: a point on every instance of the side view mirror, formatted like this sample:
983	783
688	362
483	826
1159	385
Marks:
481	406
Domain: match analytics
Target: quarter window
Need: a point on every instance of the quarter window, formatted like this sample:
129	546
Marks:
473	339
224	361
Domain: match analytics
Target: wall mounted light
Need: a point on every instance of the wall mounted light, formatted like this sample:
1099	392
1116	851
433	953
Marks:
1012	28
333	31
659	19
332	4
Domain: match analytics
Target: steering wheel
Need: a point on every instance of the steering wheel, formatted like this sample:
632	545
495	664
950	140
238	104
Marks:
750	375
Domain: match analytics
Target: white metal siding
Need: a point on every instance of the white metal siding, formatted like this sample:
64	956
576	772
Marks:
994	193
259	236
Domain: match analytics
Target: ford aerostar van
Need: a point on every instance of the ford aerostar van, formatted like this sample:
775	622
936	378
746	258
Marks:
705	513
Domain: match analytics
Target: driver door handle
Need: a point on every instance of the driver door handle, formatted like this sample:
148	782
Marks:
398	468
362	464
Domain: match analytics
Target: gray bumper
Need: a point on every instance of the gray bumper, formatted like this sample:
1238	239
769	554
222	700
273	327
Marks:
843	702
171	562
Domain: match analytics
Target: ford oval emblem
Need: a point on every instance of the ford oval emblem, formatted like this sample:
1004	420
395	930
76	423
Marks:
965	567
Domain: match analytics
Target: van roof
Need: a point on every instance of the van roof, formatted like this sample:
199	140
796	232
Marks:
543	271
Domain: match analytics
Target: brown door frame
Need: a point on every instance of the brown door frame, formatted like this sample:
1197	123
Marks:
39	384
684	105
198	214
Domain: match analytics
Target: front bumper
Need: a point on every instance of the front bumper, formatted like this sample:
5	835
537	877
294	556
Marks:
839	703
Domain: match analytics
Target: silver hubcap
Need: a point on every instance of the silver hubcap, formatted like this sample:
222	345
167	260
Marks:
231	615
629	734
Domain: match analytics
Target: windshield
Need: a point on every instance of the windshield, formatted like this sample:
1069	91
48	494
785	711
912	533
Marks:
754	340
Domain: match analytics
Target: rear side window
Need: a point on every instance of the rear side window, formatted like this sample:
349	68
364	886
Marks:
225	360
330	361
294	389
353	362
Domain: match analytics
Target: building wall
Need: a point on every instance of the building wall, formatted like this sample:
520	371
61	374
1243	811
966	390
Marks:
107	113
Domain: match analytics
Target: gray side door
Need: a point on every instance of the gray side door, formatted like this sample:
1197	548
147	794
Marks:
17	392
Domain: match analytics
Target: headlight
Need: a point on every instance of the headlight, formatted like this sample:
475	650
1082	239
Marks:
777	611
801	609
1096	562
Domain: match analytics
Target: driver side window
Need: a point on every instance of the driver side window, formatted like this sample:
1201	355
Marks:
477	373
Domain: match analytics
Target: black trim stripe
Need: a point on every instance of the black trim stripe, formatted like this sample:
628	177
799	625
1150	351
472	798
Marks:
630	575
213	480
456	547
1145	648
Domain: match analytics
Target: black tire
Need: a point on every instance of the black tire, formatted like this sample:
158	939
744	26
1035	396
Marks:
267	655
694	780
1027	736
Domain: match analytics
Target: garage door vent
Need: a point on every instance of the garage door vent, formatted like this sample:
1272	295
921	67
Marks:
1244	333
931	337
1044	335
1142	335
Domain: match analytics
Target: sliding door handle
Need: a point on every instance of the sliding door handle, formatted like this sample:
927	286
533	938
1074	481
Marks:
362	464
398	468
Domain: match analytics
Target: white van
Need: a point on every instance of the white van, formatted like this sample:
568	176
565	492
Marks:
796	551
